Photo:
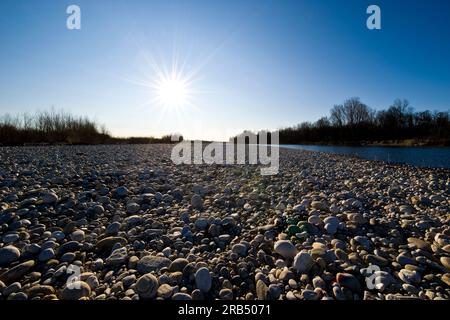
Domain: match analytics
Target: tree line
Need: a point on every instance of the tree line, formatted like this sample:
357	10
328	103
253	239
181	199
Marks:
60	127
353	122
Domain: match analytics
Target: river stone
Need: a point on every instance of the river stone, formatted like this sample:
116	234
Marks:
121	191
106	244
409	276
349	281
285	248
8	255
152	263
147	286
49	198
38	289
113	229
46	255
239	249
98	209
419	243
261	290
181	296
197	202
132	221
117	257
70	246
302	262
75	291
12	288
445	262
165	291
203	279
315	220
77	235
446	279
319	205
201	224
376	260
178	265
226	294
17	272
133	207
404	259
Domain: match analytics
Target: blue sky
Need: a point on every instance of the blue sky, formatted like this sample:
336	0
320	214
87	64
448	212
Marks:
257	64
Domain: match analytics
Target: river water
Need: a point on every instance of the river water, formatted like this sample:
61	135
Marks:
437	157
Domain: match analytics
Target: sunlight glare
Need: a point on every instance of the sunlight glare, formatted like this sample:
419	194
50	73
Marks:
172	90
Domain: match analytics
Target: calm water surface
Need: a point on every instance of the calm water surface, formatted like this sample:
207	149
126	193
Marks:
418	156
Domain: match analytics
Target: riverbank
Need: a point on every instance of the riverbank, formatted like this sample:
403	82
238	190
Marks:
383	143
136	226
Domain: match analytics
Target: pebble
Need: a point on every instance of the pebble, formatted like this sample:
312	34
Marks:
349	281
139	227
203	279
77	235
151	263
302	262
285	248
261	290
226	294
46	255
117	257
181	296
17	272
445	261
165	291
75	291
8	255
409	276
197	202
239	249
147	286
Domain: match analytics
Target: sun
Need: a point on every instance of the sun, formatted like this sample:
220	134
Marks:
172	90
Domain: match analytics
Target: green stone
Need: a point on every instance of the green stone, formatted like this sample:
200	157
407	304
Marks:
293	229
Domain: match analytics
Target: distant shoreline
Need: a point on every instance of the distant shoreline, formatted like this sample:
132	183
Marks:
385	143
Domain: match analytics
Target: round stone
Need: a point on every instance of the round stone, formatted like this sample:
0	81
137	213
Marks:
226	294
197	202
77	235
349	281
285	248
203	279
46	255
165	291
181	296
409	276
147	286
8	255
239	249
122	191
302	262
261	290
113	229
133	208
49	198
75	291
178	265
151	263
445	262
201	224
